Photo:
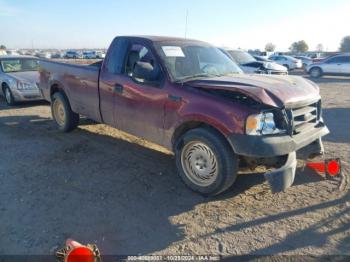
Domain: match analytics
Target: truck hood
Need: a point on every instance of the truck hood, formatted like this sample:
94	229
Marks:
29	77
272	90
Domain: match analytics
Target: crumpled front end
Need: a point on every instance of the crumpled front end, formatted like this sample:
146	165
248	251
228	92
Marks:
303	138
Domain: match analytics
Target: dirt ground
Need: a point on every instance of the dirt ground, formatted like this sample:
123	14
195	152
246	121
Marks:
95	187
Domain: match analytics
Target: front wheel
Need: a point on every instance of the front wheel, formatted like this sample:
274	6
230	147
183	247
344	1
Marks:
205	161
66	120
10	100
315	72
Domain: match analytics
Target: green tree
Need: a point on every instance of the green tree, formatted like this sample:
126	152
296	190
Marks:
345	44
270	47
2	47
299	47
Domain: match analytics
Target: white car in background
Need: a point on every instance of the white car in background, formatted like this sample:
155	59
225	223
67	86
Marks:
100	54
19	79
305	60
250	65
289	62
43	54
334	65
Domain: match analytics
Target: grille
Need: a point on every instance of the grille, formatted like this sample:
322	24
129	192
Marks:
304	118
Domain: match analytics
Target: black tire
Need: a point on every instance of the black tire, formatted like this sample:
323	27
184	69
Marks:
315	72
68	120
10	100
226	161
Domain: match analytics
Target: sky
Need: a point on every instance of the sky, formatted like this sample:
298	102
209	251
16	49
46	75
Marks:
248	24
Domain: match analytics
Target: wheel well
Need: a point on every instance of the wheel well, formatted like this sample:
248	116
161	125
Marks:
314	67
3	85
185	127
56	88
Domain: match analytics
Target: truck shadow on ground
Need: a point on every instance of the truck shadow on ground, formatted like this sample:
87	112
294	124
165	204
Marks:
97	189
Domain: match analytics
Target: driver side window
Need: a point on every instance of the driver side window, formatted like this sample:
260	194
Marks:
333	60
140	53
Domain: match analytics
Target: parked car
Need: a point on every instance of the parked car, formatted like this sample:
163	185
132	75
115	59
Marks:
262	58
335	65
189	97
56	55
12	52
287	61
19	78
89	54
250	65
305	60
100	54
72	55
43	54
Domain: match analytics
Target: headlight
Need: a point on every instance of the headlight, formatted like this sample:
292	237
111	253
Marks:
262	124
25	86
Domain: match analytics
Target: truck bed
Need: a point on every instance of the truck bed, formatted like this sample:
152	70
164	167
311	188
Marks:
78	82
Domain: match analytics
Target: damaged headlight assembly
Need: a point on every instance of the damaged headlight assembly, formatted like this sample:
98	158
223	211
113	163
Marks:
262	124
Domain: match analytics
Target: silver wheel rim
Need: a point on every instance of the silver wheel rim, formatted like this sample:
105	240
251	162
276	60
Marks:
8	95
315	72
199	163
59	112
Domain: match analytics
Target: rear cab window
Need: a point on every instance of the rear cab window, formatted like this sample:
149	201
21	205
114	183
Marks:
116	58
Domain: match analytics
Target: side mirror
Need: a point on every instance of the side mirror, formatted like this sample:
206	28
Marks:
144	71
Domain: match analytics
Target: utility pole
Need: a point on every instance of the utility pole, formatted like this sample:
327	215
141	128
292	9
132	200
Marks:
186	23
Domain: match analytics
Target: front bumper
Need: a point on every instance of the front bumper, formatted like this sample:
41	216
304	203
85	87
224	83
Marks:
282	178
27	95
273	146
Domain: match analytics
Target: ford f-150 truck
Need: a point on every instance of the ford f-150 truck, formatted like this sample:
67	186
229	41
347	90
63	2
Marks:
189	97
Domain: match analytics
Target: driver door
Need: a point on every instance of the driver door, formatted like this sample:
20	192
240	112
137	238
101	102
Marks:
139	107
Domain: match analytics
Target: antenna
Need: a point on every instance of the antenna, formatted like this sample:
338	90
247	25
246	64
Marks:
186	23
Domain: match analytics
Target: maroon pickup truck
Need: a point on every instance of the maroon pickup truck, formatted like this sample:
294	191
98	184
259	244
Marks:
189	97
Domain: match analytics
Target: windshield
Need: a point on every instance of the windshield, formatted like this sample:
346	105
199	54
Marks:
241	57
19	65
187	61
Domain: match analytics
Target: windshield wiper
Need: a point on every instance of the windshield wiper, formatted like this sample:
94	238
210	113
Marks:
193	77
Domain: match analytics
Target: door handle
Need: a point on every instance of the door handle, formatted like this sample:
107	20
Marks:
118	88
174	98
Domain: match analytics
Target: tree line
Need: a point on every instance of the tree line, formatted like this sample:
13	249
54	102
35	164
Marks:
301	46
297	47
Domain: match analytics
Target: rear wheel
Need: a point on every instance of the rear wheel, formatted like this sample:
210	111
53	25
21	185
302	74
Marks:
8	96
206	162
66	120
315	72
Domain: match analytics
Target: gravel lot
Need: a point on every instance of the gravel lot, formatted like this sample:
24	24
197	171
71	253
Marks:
95	187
